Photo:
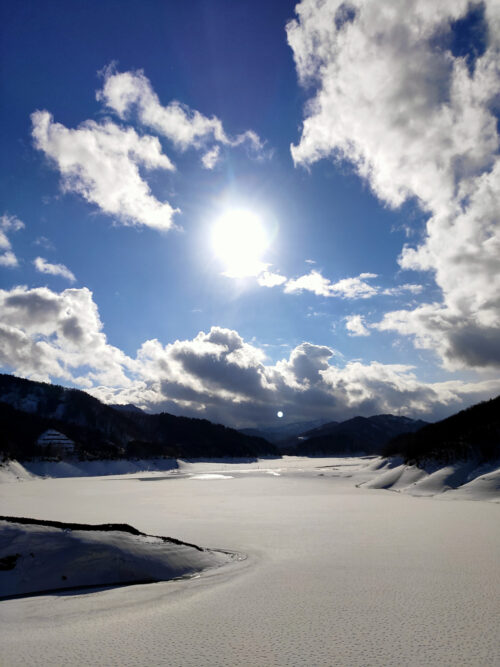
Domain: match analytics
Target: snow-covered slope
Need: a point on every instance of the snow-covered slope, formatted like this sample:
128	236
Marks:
41	556
13	471
462	480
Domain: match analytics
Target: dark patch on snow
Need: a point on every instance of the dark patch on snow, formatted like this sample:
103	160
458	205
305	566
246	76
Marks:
9	562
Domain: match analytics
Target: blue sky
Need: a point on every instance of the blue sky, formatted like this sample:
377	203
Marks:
368	165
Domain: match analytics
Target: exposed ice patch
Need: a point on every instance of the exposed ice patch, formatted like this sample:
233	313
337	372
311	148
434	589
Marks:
211	475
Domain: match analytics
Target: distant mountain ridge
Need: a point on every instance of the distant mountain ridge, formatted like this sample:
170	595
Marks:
470	433
128	407
359	434
28	408
281	432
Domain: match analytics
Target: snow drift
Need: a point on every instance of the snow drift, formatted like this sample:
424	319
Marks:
462	480
41	556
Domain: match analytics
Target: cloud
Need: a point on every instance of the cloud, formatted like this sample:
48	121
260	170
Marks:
211	157
44	335
347	288
459	341
48	335
8	223
417	116
269	279
8	259
44	242
392	98
185	127
101	163
219	376
43	266
315	282
401	289
356	326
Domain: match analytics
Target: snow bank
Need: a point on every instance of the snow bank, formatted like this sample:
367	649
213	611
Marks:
14	471
463	480
40	556
483	487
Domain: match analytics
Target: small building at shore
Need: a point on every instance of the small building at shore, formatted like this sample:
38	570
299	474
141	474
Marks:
56	443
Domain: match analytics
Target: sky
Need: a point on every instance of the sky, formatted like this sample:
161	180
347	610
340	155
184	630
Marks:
231	210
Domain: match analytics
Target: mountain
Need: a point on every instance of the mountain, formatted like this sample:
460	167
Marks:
29	408
473	433
128	407
282	432
359	434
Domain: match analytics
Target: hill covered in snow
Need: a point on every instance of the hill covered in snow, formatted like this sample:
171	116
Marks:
38	556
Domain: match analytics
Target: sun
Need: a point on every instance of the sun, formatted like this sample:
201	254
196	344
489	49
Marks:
239	240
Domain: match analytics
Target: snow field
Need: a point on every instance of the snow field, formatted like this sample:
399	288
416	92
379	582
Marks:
335	575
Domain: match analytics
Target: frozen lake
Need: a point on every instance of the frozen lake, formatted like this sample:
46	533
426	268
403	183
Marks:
335	575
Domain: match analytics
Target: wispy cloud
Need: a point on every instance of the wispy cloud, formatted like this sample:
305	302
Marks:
44	242
401	289
8	224
347	288
211	157
43	266
185	127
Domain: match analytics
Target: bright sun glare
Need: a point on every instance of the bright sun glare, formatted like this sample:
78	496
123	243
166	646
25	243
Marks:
239	239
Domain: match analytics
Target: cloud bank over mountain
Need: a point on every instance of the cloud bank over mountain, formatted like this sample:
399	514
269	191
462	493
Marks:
49	335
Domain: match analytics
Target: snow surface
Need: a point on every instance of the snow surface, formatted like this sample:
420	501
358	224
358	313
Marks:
48	558
76	468
335	575
467	480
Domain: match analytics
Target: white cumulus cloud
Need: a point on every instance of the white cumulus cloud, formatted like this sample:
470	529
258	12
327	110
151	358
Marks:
356	325
45	334
43	266
270	279
100	162
418	119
